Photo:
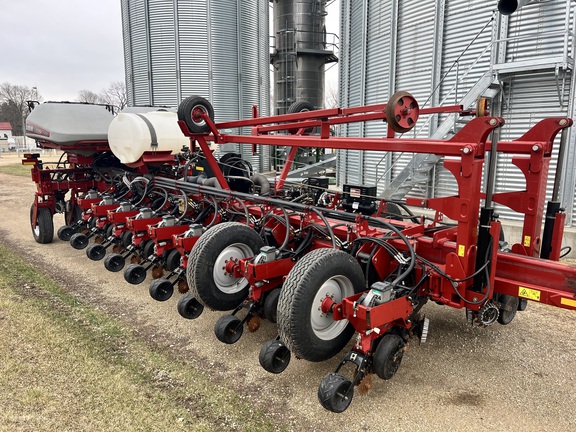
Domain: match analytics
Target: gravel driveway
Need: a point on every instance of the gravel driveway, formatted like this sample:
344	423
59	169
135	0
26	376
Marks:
515	377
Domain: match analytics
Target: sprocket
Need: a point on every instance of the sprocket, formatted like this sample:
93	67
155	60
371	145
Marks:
487	314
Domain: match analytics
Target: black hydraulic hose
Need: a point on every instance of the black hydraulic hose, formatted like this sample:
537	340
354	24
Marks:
321	212
286	223
246	212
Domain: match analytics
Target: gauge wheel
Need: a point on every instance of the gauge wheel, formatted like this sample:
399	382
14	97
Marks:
511	304
388	356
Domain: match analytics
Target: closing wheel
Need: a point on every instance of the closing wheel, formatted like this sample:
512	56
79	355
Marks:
388	356
96	252
228	329
161	289
135	274
114	262
173	260
65	232
274	356
307	331
191	112
126	238
508	311
79	241
189	307
335	392
43	232
207	274
402	112
271	305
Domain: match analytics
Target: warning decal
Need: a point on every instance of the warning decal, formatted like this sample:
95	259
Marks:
528	293
568	302
461	250
527	241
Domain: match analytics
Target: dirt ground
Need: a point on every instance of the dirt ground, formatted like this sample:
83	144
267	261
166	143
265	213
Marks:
515	377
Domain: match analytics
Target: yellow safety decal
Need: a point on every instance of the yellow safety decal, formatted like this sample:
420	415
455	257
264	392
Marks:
528	293
568	302
199	168
527	241
461	250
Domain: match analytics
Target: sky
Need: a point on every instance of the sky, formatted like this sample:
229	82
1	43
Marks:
61	46
64	46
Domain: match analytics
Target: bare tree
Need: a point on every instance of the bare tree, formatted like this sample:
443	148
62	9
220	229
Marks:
13	106
115	95
89	97
331	95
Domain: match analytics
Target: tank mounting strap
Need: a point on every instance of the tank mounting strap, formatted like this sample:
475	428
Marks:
153	136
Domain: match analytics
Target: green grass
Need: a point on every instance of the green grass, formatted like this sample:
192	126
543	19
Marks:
65	365
16	169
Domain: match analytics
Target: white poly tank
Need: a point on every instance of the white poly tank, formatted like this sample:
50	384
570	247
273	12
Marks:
132	134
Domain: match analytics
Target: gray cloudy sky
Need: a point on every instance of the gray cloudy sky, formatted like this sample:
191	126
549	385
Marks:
64	46
61	46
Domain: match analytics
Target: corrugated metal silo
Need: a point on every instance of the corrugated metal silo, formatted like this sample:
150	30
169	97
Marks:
444	51
217	49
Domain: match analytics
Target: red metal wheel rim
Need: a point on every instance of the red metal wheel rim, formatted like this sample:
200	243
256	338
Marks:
406	112
198	112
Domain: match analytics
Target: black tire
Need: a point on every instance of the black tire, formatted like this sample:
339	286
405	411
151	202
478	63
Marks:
79	241
114	262
148	249
335	392
173	260
297	107
96	252
161	289
189	307
522	305
135	274
189	110
44	231
109	230
65	232
271	305
207	279
126	238
302	326
388	356
505	317
228	329
274	356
